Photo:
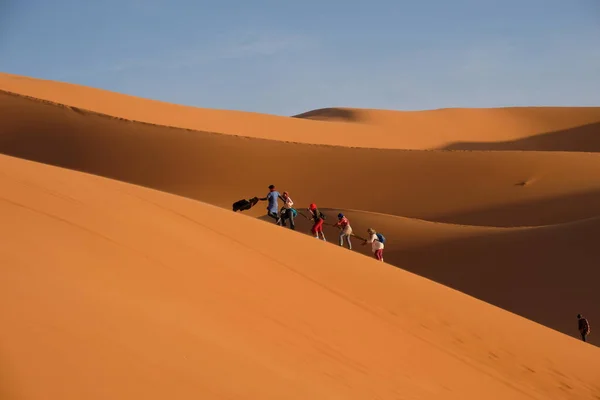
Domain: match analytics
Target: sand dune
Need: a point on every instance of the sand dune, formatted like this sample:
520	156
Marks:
548	274
508	189
120	292
432	129
479	188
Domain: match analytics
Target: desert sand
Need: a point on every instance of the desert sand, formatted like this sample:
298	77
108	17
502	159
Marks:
128	276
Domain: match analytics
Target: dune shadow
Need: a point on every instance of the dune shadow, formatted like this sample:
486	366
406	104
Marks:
531	213
331	114
585	138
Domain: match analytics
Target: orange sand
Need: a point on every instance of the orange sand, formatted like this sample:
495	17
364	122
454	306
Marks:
119	291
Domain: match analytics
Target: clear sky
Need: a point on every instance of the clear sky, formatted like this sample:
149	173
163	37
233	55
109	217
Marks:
290	56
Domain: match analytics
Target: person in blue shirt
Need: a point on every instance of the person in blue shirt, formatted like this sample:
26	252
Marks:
273	206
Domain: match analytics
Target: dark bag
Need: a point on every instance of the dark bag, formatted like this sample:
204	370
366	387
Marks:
243	205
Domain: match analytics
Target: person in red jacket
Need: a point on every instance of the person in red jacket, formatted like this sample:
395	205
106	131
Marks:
317	217
583	326
346	229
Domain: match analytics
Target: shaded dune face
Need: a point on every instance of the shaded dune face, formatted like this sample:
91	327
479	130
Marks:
525	271
117	291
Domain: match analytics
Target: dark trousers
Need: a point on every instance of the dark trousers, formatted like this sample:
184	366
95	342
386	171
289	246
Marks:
583	336
288	214
274	216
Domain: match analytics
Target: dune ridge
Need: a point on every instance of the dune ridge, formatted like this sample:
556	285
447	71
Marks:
430	129
143	310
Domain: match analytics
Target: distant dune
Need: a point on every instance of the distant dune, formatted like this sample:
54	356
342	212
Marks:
124	283
432	129
113	291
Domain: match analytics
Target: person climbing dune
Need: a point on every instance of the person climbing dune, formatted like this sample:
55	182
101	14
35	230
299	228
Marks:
273	205
377	243
318	218
345	230
288	212
584	327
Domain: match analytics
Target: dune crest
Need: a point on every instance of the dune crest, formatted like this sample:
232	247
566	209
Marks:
430	129
121	292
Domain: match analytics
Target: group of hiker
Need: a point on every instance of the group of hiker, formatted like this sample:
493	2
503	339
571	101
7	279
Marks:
289	213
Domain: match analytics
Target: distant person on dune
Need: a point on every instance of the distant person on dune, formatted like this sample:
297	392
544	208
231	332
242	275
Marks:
318	218
346	229
287	211
377	243
273	206
583	326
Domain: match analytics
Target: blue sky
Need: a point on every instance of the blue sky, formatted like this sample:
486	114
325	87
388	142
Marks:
285	57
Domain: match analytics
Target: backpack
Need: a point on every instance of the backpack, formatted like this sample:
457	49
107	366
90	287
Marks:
381	238
322	216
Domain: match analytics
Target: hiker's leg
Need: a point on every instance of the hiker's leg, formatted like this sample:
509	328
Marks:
291	218
379	255
314	230
320	229
341	238
583	337
349	243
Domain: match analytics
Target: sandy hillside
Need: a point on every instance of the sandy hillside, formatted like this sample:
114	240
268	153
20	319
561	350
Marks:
478	188
527	271
547	128
120	292
548	274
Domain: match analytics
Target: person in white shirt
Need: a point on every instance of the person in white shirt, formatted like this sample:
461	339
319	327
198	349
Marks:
376	245
287	211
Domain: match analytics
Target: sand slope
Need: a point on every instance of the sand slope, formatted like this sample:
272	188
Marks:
120	292
341	127
529	272
548	274
479	188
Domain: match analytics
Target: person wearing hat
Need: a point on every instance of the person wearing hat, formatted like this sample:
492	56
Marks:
346	229
583	326
273	205
317	217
